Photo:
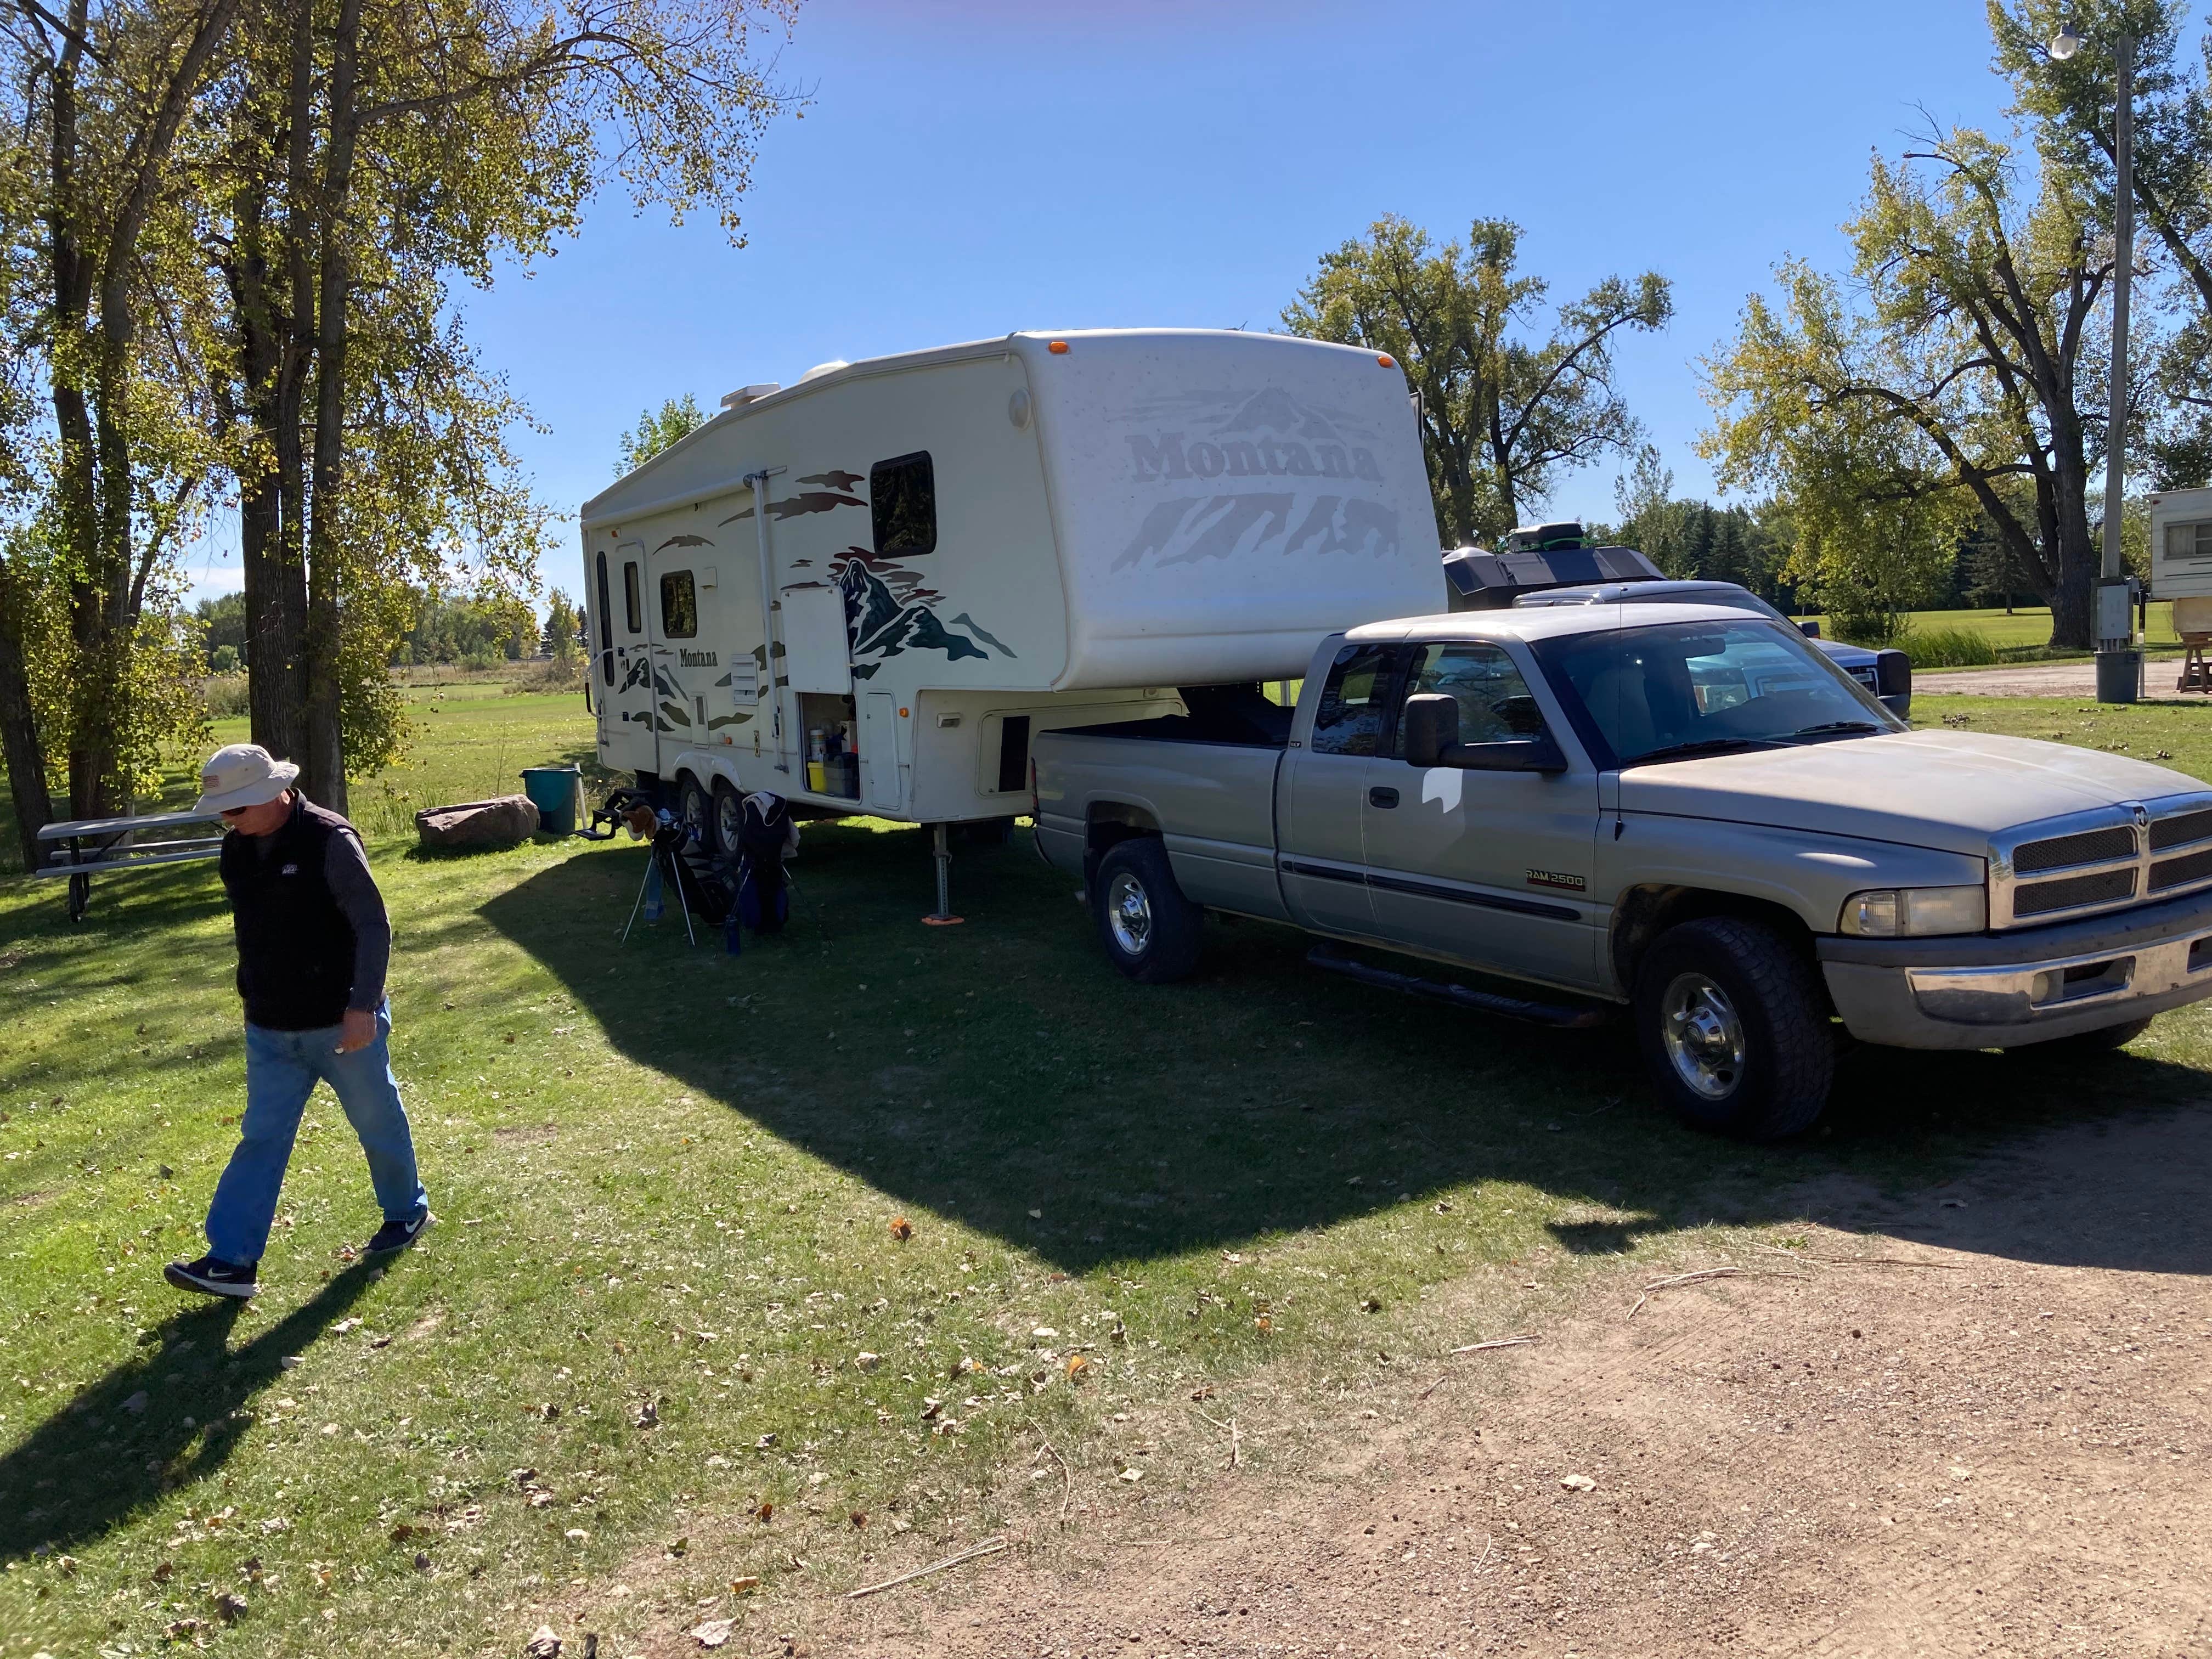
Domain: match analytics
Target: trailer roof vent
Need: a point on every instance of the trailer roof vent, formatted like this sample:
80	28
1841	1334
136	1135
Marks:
820	369
745	394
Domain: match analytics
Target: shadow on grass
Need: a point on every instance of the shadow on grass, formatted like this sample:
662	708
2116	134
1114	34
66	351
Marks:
96	1461
1003	1074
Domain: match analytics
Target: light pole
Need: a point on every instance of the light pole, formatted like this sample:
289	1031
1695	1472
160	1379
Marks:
2119	665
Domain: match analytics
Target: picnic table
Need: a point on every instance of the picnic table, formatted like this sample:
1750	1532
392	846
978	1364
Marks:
84	846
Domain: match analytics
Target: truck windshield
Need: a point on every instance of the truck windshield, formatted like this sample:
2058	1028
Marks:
1676	690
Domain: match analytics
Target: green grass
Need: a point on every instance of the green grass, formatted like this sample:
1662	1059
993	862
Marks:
669	1176
2175	733
2025	627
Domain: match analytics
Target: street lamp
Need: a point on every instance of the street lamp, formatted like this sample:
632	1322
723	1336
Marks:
2119	665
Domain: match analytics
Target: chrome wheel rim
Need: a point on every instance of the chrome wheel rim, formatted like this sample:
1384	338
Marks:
729	818
1129	914
1704	1036
696	810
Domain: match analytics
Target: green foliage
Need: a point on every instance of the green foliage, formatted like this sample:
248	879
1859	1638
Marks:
1503	416
659	429
221	623
1945	648
1943	383
223	694
223	659
563	624
1696	540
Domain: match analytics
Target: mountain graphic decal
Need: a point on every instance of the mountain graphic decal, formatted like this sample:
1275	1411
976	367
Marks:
888	610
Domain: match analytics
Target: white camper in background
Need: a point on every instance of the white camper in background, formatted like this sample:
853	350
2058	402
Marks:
866	592
2181	557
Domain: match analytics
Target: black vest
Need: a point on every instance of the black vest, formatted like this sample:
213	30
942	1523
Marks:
295	945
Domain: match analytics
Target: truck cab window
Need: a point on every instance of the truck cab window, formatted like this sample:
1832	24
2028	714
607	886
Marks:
633	613
679	606
603	615
1494	704
902	497
1353	703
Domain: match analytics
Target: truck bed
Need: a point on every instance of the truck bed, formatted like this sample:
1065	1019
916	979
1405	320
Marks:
1206	779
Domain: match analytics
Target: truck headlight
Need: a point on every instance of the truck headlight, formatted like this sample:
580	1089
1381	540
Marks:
1902	912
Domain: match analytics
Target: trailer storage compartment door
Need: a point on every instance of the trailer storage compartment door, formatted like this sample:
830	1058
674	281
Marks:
880	752
817	656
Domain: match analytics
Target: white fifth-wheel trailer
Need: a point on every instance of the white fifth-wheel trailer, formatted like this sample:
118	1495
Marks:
867	592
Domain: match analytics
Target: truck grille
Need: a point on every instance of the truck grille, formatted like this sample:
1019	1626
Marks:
2063	852
2100	860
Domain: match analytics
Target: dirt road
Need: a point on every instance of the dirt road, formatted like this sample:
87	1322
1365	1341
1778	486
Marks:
2049	679
1969	1420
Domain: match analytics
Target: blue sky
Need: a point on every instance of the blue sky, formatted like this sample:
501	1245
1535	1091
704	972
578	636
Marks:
963	169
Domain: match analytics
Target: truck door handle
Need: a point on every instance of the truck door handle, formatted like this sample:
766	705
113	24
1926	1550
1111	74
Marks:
1381	796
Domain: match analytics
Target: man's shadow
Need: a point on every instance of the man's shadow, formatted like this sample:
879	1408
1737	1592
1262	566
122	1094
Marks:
106	1453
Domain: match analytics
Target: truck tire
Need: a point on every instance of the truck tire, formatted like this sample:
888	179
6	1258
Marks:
1149	928
1735	1029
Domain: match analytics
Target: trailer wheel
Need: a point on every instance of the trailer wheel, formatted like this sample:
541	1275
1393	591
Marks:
729	817
1734	1028
694	807
1149	928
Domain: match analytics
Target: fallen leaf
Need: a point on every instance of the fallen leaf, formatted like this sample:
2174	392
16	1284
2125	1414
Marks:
290	1362
422	1562
136	1402
1371	1304
866	1361
544	1644
648	1414
1133	1475
541	1499
1077	1365
968	1367
744	1586
524	1478
577	1535
229	1605
1044	1333
714	1632
679	1546
1037	1215
1578	1483
765	1512
162	1574
931	1406
1264	1324
402	1533
764	1443
345	1325
858	1517
901	1229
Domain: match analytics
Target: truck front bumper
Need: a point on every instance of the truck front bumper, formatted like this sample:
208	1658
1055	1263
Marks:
2004	991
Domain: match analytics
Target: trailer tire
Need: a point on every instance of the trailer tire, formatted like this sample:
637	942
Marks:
727	818
1733	1028
695	809
1148	928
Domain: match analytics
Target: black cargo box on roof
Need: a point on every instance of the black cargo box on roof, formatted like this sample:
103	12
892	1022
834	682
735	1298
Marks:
1477	581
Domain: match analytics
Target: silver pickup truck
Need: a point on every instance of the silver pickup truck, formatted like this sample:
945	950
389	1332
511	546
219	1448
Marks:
1682	808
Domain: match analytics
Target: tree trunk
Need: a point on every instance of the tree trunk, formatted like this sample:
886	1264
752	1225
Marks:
19	728
324	776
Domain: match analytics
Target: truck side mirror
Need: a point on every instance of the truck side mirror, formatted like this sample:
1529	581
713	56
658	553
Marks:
1429	725
1811	630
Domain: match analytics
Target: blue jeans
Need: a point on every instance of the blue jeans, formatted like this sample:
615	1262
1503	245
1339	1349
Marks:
282	1070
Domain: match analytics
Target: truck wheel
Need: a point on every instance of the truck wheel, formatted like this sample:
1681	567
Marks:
1735	1029
1149	929
729	818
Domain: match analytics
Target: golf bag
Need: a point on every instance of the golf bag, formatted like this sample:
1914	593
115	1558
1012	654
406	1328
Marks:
701	891
766	837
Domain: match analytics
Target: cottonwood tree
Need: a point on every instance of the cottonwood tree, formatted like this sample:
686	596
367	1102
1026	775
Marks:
1503	414
371	150
659	429
98	99
1957	362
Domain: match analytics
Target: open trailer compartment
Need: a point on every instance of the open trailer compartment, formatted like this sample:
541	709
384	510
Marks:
869	591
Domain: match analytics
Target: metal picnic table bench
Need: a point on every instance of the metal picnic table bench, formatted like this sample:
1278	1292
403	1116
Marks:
95	844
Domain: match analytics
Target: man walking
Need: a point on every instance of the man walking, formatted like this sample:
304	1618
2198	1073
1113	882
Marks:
314	944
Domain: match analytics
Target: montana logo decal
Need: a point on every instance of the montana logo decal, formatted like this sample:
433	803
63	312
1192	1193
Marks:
1559	879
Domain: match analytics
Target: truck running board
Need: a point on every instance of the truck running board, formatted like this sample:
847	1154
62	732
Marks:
1562	1015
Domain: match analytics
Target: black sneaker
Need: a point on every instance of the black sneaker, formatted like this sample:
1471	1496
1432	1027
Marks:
396	1235
212	1276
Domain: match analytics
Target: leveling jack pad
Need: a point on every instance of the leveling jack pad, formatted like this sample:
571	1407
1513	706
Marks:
943	921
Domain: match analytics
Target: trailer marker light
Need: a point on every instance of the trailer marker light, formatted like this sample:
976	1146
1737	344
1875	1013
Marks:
1058	348
903	713
1387	361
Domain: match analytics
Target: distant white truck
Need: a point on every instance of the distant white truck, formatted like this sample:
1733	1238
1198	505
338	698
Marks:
868	591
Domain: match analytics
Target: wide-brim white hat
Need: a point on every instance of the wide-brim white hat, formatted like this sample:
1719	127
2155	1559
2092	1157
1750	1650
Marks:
242	775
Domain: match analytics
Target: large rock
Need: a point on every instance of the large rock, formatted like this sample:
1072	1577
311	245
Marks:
502	823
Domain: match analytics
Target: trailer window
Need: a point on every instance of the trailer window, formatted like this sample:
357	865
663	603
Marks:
604	614
631	610
902	496
679	606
